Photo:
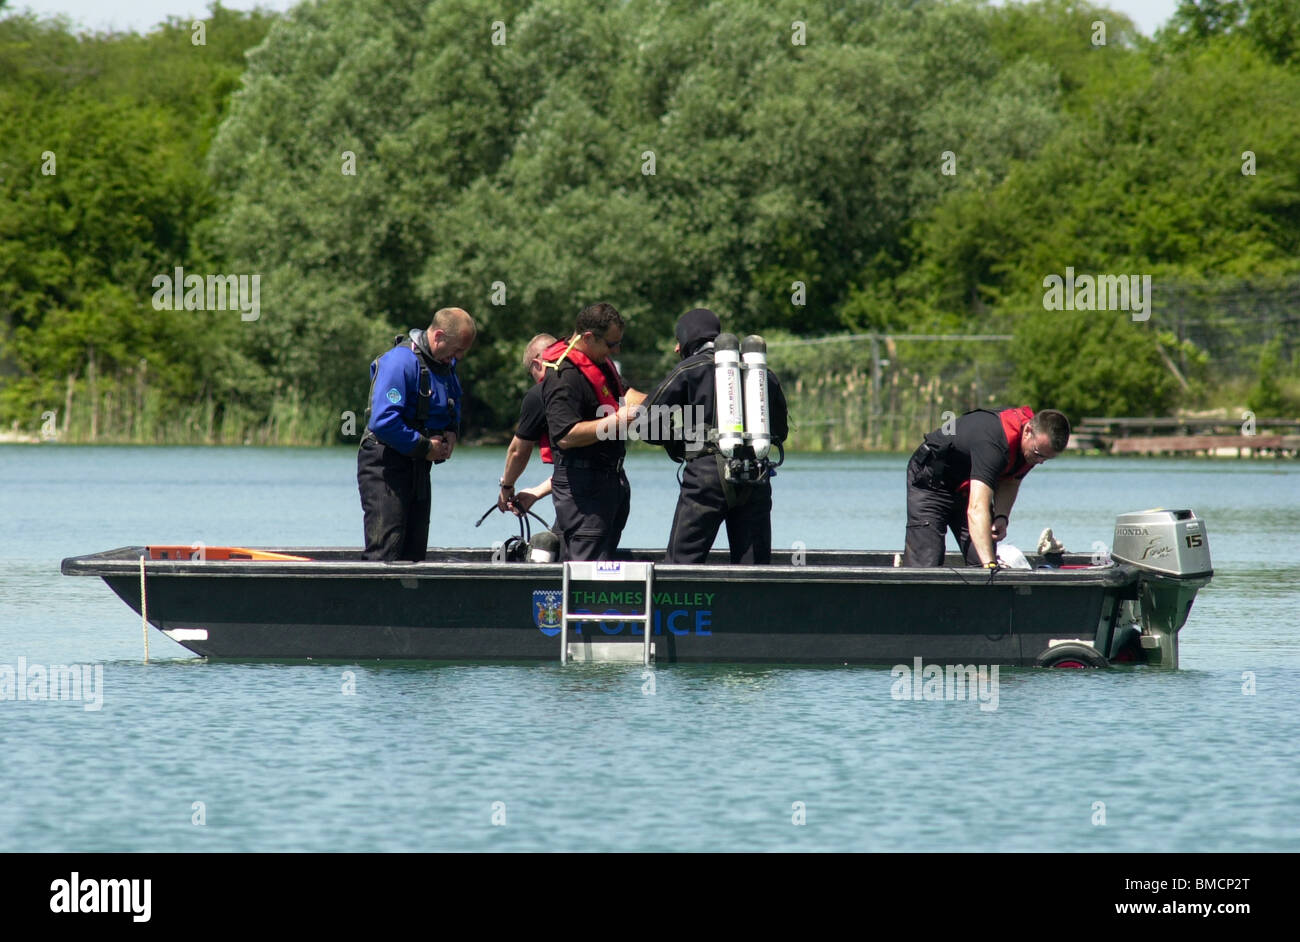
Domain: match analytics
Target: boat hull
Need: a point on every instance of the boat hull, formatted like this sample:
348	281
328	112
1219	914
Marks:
831	608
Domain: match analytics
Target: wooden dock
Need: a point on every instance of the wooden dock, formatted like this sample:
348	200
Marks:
1219	437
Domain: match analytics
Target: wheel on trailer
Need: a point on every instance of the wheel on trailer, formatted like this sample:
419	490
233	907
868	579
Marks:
1072	655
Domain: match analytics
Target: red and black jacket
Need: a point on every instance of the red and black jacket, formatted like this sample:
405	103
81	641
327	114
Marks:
555	355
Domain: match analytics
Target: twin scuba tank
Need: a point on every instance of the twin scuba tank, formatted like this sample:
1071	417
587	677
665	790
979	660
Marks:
744	416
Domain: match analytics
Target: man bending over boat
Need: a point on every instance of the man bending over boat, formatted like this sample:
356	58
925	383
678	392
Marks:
965	477
584	419
530	431
412	422
708	499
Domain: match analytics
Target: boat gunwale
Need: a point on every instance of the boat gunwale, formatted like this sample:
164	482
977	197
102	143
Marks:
116	563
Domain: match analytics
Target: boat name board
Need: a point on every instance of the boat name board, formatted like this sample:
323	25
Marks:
690	599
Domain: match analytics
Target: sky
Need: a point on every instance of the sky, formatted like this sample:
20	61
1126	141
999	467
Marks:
140	15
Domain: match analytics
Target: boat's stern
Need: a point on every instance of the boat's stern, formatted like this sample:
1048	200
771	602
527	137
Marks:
1171	548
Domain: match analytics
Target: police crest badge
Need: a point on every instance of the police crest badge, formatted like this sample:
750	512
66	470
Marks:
546	611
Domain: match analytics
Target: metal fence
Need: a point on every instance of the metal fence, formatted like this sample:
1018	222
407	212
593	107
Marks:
885	391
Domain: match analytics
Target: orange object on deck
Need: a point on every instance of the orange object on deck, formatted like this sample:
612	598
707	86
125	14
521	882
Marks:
200	553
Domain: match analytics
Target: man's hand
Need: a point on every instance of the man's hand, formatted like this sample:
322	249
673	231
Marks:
627	415
523	502
440	448
505	497
999	528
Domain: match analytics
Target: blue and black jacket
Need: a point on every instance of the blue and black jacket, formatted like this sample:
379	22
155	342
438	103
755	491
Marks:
412	396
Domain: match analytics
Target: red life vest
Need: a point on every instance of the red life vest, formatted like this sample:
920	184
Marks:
554	355
1013	425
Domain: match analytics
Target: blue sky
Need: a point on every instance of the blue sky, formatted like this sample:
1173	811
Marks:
140	15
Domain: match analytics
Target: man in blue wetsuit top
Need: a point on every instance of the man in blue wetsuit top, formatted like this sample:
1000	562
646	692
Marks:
412	423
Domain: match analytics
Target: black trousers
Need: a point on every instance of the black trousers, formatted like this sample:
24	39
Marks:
591	507
395	500
931	513
705	503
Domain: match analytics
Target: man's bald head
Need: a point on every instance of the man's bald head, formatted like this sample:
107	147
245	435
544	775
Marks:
451	334
456	322
533	356
536	347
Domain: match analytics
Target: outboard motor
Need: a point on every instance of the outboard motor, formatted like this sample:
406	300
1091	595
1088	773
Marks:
1172	548
727	385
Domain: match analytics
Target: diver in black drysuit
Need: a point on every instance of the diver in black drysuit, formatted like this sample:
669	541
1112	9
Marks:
707	500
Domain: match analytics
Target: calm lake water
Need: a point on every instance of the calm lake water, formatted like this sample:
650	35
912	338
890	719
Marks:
581	758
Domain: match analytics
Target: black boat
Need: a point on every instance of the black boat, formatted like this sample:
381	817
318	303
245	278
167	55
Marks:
808	607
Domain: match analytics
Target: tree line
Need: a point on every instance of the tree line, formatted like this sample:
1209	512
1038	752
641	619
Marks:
865	167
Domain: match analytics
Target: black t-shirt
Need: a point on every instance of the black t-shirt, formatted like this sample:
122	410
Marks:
532	415
978	452
691	383
569	400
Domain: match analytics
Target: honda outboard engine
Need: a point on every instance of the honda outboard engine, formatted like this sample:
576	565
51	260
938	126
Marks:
1172	548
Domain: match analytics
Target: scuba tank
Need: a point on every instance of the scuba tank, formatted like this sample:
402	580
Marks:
744	432
758	425
727	385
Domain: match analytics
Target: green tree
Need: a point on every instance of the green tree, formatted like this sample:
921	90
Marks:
1272	25
102	187
528	165
1091	364
1145	179
1267	399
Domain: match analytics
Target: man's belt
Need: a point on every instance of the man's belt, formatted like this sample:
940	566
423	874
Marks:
369	436
592	464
